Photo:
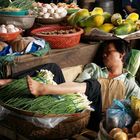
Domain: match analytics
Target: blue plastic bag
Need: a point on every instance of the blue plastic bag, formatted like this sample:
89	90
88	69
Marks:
119	115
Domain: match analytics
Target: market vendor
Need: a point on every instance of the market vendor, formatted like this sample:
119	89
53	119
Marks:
109	82
131	6
113	75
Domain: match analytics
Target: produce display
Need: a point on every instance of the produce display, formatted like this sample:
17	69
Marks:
51	11
125	133
9	32
59	32
68	6
128	126
10	28
66	38
17	5
97	18
17	95
17	13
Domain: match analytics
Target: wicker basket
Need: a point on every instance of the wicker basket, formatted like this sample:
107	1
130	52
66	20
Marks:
73	124
65	129
59	41
103	134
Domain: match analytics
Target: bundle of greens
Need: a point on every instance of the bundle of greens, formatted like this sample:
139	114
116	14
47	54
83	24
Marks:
9	5
22	4
17	95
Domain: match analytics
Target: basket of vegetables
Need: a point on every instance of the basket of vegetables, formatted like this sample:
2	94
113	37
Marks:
9	32
50	116
49	13
17	12
59	36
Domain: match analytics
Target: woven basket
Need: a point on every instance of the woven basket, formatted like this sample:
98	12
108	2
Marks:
65	129
73	124
103	134
59	41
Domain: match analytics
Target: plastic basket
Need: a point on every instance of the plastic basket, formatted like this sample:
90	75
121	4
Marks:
9	36
59	41
15	13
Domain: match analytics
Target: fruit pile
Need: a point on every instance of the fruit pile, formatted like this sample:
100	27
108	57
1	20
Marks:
125	133
97	18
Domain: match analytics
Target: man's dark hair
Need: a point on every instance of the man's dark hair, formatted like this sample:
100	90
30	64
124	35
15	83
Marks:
121	46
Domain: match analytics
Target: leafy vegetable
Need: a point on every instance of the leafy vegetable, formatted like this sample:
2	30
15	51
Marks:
17	95
22	4
134	61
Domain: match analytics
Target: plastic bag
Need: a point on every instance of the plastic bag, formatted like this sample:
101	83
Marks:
119	115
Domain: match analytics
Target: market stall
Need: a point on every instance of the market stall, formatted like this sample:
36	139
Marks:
52	33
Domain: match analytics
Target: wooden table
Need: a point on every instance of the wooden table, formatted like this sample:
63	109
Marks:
77	55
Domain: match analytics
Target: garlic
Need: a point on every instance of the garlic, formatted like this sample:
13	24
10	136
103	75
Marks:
39	4
54	7
10	26
44	10
16	29
11	30
52	4
3	30
56	15
51	11
3	25
46	15
41	13
59	10
48	6
62	14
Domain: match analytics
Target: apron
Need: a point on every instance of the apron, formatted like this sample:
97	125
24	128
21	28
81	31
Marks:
111	89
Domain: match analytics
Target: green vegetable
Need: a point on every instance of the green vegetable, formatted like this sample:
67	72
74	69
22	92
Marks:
22	4
17	95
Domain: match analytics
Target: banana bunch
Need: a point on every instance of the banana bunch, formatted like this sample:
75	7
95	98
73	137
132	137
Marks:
135	106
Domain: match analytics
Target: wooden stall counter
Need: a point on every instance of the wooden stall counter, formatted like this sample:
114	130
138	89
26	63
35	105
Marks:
78	55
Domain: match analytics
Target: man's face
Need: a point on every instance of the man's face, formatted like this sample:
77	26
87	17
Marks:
111	57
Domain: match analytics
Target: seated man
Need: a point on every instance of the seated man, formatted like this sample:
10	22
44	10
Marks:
131	6
111	81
